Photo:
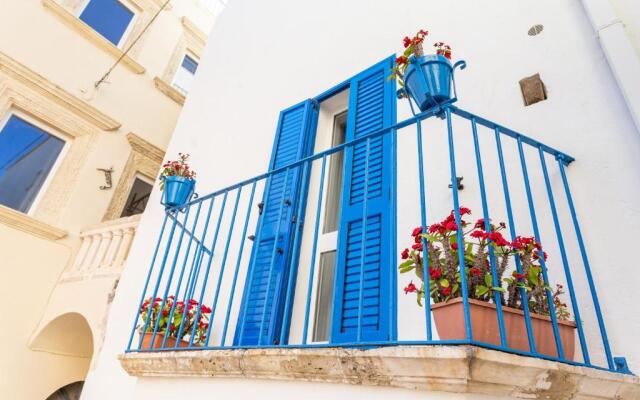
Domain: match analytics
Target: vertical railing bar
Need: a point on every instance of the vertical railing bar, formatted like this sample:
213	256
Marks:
255	249
487	227
536	233
587	267
169	281
183	268
363	240
456	211
206	274
426	277
191	285
565	261
314	249
237	268
157	286
274	252
222	265
146	283
512	232
284	333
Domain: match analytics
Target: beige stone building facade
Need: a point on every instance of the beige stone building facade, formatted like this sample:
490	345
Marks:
102	95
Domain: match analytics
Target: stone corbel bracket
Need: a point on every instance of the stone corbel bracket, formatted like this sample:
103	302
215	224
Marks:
456	369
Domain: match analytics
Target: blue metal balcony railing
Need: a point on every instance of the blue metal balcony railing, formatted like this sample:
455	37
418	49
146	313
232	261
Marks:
203	253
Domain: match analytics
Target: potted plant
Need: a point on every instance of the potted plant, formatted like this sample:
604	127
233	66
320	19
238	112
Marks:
177	181
426	78
445	285
155	309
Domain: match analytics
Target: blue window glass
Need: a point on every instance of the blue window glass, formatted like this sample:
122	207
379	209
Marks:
190	64
27	154
110	18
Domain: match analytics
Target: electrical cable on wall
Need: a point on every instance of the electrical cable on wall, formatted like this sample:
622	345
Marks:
104	77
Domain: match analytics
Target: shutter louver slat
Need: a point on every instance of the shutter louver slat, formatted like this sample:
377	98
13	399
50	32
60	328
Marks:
288	148
362	295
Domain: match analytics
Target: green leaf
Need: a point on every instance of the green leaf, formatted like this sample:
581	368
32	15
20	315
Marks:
406	263
487	280
480	290
499	289
444	283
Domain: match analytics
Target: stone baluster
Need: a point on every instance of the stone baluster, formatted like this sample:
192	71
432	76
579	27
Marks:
123	250
91	253
112	250
82	253
105	238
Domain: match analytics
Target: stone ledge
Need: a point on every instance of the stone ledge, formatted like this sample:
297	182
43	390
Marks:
25	223
457	369
90	34
169	91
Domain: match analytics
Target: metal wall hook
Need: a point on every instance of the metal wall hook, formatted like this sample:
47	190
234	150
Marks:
458	183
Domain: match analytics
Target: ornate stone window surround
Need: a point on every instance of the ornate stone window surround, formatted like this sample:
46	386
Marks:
69	12
192	44
145	159
31	97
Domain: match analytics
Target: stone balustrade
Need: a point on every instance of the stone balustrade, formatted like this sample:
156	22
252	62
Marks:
104	249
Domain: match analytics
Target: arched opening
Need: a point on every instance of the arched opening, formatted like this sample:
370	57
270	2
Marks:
71	391
68	334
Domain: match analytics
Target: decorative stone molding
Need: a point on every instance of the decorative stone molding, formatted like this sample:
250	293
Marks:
17	98
170	91
29	224
139	145
57	95
145	158
192	43
88	32
456	369
193	31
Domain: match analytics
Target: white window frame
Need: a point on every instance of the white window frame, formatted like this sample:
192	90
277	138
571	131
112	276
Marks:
327	242
129	5
179	67
56	165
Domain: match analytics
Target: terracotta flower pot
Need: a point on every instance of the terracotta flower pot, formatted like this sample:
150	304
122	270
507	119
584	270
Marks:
449	318
171	342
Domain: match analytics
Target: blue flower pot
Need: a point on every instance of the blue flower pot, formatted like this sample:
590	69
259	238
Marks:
428	80
177	190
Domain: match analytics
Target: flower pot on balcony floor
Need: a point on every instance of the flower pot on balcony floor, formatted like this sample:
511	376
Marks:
157	343
449	319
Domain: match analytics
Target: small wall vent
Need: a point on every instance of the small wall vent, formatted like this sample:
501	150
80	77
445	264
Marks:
535	30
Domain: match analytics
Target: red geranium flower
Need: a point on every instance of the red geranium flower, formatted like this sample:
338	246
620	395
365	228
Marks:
417	246
475	271
410	288
416	231
446	291
405	254
435	273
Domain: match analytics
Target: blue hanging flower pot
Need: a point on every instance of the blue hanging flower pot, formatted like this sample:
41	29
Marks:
428	80
177	190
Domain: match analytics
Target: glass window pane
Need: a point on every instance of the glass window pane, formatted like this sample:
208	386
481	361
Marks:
334	185
110	18
190	64
27	154
324	297
138	197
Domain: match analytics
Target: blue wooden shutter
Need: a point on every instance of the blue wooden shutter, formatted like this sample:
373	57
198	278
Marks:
371	107
291	144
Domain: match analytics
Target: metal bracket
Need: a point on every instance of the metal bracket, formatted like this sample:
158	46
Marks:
107	178
621	365
458	183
